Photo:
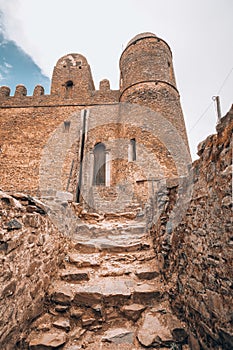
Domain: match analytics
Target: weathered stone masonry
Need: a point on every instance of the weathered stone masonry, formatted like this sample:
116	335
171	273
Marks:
194	261
196	258
28	122
112	283
31	249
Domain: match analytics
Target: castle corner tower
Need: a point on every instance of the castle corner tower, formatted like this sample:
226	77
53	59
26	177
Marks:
147	78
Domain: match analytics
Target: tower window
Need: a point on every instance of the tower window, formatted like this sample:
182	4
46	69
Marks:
69	84
132	150
69	88
66	126
99	164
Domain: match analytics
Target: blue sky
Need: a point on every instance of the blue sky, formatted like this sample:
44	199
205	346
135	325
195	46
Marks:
35	34
17	67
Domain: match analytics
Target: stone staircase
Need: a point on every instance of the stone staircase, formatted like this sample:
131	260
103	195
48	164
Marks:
109	295
113	200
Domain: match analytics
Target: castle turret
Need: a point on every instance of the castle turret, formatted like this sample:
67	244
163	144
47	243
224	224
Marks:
72	77
147	78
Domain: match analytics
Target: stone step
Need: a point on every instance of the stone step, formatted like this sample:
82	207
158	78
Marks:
107	290
84	260
148	272
75	275
129	264
107	245
142	273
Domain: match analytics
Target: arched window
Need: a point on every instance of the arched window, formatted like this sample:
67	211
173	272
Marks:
99	164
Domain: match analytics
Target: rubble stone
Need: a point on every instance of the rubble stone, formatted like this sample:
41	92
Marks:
118	336
50	340
198	260
133	311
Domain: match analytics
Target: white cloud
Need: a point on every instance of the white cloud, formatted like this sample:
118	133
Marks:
198	32
8	65
5	69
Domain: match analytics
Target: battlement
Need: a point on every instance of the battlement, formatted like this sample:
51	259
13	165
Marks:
20	98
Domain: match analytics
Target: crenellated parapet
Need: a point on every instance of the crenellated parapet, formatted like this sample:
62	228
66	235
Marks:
40	99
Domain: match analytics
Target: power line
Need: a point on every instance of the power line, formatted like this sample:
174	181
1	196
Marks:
208	107
225	80
201	116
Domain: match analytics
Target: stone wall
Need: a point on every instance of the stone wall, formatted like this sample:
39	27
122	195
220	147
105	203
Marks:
31	250
196	257
28	123
24	133
147	79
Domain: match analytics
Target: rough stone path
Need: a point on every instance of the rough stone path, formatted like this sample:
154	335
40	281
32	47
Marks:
109	295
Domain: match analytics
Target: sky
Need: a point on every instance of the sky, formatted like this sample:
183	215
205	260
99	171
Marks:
34	34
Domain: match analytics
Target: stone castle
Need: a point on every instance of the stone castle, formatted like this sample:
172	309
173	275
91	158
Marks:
110	236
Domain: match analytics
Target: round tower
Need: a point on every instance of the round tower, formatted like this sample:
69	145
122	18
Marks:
147	78
72	77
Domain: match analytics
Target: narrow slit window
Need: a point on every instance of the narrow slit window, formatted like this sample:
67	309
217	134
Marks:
132	150
66	126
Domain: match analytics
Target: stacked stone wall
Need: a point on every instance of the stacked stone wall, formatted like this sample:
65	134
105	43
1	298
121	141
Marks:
196	256
31	250
161	98
24	133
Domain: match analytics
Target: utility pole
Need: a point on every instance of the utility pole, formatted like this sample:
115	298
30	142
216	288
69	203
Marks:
217	100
